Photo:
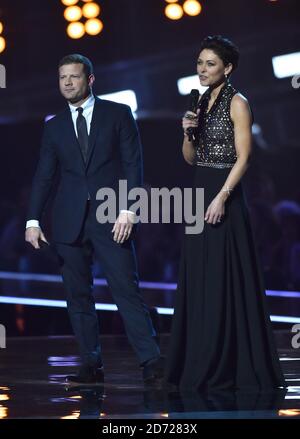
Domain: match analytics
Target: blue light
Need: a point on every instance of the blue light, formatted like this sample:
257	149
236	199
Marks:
111	307
282	293
58	279
285	319
164	286
102	282
50	303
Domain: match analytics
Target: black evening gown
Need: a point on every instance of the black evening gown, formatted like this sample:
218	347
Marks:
221	336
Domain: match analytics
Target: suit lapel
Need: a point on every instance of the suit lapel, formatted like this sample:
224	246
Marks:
98	115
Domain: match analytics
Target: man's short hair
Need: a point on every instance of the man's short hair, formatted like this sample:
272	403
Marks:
76	58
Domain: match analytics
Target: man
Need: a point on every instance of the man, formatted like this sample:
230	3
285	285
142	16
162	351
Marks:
94	143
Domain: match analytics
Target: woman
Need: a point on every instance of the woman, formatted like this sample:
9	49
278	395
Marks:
221	334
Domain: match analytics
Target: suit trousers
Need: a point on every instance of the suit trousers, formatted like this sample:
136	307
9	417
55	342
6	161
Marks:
119	265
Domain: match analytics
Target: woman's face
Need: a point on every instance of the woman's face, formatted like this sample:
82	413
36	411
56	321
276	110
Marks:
210	68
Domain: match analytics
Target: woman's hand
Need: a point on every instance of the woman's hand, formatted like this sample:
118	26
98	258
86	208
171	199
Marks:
216	210
190	120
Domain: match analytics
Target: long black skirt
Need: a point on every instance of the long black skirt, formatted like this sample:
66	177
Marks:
221	336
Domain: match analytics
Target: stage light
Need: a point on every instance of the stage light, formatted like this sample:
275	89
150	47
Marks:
1	27
49	117
91	10
3	412
93	26
76	30
289	412
186	84
286	65
2	44
73	13
192	7
69	2
127	97
174	11
74	415
171	1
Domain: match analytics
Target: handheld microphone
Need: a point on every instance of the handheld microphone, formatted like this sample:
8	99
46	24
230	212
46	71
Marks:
193	102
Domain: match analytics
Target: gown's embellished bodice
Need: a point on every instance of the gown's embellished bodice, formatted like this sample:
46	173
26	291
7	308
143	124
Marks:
215	136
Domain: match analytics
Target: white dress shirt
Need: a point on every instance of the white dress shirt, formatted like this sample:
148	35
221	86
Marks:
88	107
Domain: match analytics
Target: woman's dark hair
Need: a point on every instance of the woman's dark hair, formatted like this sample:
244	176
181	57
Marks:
224	48
76	58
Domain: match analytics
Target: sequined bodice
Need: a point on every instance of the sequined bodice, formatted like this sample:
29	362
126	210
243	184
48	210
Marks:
215	137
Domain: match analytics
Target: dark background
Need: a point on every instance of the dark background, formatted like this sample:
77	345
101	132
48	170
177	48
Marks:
141	49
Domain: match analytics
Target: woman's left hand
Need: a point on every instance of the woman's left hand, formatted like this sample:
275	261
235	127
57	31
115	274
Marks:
215	210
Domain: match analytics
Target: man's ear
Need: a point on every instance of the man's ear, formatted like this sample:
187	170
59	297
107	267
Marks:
91	80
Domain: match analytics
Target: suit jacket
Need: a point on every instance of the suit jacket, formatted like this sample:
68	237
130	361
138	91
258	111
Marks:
114	153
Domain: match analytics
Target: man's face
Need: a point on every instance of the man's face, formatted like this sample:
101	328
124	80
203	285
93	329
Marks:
73	83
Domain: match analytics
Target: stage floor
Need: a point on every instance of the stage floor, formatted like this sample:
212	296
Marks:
32	371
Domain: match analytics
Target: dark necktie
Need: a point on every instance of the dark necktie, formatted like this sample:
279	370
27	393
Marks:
82	133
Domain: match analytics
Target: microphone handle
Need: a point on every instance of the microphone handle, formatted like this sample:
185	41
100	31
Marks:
190	132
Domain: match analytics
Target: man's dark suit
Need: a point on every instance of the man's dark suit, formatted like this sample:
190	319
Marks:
114	153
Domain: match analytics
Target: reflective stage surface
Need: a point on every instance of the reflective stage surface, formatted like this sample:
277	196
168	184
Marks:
32	372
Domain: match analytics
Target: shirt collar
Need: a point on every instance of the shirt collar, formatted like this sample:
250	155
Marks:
89	103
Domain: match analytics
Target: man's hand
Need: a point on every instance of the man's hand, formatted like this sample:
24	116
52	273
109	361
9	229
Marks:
123	227
33	234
